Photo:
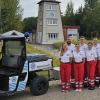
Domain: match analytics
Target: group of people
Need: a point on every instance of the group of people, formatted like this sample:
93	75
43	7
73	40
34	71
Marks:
80	62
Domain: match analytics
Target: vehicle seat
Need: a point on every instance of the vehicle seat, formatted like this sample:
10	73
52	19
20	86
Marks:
10	65
11	61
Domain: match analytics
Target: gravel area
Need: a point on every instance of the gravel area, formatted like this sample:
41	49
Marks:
54	93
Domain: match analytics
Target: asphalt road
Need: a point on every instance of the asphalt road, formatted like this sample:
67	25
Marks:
54	93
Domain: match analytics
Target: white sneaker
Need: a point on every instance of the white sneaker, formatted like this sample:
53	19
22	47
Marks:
76	90
80	90
99	87
63	90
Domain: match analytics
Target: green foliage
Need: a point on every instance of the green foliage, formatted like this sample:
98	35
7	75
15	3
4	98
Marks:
57	45
11	14
92	20
30	24
87	17
68	19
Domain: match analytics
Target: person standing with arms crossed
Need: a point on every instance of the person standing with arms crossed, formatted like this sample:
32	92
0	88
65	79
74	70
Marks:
91	57
65	67
78	58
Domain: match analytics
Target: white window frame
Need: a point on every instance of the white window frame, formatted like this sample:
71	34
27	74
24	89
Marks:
52	21
51	7
53	36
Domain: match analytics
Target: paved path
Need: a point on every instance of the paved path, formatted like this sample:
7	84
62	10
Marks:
55	94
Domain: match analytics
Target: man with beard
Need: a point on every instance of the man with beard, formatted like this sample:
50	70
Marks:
71	48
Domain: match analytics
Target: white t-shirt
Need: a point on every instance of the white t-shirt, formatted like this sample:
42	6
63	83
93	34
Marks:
96	48
66	57
98	53
91	55
83	47
78	56
71	47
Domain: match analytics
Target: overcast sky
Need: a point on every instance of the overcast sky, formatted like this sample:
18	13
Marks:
31	7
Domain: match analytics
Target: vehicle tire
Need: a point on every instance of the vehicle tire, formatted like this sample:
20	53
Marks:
39	86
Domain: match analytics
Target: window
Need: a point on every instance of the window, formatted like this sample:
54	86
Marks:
13	49
50	14
53	35
51	21
51	7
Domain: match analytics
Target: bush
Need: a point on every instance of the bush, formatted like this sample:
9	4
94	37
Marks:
57	45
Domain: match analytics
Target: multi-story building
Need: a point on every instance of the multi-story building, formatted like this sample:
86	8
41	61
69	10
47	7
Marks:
49	26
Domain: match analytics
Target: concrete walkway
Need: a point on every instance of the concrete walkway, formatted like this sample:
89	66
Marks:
54	93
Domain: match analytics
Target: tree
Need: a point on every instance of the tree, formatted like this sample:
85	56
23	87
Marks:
11	15
69	15
30	24
92	21
90	4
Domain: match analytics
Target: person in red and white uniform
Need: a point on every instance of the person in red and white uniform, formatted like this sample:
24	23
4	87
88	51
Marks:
83	47
71	48
79	58
96	47
65	67
98	65
91	57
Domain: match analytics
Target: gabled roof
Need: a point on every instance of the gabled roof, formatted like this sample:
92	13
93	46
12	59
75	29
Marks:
13	33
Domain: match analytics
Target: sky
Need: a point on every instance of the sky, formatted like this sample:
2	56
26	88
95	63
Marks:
30	7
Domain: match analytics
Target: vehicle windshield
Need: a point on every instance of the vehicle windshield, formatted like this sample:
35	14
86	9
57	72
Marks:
13	47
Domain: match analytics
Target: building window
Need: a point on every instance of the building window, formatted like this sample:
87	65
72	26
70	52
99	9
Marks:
51	7
50	14
53	35
52	21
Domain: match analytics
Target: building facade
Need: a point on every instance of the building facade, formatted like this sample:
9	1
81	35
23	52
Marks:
49	26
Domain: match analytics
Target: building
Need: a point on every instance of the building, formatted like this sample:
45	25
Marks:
72	31
49	25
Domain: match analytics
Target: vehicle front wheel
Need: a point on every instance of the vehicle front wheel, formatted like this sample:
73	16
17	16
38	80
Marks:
39	86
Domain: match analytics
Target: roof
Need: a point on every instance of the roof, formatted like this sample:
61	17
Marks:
53	1
71	27
12	38
13	33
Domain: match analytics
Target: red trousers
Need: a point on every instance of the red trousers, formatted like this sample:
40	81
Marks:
98	68
91	66
79	72
65	72
85	69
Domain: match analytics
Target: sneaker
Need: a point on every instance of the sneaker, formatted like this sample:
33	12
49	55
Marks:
63	90
91	87
76	90
80	90
99	86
